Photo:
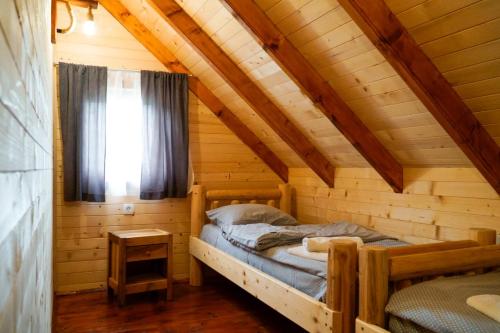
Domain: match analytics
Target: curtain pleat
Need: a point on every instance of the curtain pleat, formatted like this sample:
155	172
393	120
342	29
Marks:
82	99
164	171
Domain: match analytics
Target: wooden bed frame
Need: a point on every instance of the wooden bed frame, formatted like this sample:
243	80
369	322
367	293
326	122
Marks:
337	315
383	271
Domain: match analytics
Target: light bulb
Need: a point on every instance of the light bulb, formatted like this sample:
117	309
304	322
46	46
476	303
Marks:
89	27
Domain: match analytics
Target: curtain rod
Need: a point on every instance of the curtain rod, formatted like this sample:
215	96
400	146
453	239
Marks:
126	70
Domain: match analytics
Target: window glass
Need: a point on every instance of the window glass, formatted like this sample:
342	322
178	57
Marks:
123	133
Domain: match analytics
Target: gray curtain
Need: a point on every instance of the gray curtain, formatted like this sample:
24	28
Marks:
164	172
82	91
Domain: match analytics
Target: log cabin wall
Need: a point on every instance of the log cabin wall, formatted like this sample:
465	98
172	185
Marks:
25	167
219	159
436	203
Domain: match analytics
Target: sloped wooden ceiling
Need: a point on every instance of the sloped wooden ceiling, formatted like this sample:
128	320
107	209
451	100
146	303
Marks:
462	38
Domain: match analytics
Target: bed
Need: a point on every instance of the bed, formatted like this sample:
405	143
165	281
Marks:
336	314
424	289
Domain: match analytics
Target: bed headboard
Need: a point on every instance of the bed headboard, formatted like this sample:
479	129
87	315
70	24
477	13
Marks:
203	200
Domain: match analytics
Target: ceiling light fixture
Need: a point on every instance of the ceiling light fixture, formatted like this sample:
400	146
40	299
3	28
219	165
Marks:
89	27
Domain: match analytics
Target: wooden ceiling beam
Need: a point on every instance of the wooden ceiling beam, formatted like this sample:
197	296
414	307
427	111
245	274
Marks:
156	47
83	3
53	20
319	91
245	87
399	48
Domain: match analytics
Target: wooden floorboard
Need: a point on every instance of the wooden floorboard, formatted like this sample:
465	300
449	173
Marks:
218	306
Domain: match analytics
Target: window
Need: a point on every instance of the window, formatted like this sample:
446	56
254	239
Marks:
123	133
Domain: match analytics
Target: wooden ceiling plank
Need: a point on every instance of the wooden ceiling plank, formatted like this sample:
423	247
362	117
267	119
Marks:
245	87
399	48
319	91
155	46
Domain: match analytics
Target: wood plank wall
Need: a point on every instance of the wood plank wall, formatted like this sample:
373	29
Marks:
25	167
219	160
436	204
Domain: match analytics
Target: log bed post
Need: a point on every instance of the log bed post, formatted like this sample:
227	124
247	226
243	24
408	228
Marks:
373	284
286	198
198	203
341	281
483	236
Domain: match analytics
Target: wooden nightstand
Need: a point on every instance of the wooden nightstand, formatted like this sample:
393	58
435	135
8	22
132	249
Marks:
138	261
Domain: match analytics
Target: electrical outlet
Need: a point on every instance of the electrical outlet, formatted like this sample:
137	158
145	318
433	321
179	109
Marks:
128	209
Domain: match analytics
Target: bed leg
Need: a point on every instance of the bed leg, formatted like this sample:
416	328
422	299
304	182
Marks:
198	202
195	272
341	281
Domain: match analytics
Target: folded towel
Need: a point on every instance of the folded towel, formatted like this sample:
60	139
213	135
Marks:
300	251
321	244
487	304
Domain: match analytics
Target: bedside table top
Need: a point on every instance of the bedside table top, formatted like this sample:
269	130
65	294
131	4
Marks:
139	233
140	236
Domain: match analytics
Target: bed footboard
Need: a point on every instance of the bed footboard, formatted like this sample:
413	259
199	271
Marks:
384	271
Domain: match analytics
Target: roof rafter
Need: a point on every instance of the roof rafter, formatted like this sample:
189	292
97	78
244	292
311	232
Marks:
245	87
399	48
319	91
156	47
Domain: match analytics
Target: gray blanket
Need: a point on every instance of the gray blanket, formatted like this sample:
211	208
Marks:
439	305
262	236
306	275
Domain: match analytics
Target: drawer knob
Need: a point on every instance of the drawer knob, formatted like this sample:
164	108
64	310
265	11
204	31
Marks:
148	253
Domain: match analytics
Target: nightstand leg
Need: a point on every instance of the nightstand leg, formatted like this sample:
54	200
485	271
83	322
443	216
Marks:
170	267
170	293
110	269
111	293
122	272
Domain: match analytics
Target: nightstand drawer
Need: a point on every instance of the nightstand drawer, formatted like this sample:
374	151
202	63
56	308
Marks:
146	252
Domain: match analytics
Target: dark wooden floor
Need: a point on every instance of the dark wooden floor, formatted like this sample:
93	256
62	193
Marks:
218	306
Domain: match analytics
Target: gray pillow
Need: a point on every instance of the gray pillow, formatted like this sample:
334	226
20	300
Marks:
248	214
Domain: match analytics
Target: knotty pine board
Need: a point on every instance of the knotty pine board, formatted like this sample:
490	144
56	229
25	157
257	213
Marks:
436	203
219	160
25	167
